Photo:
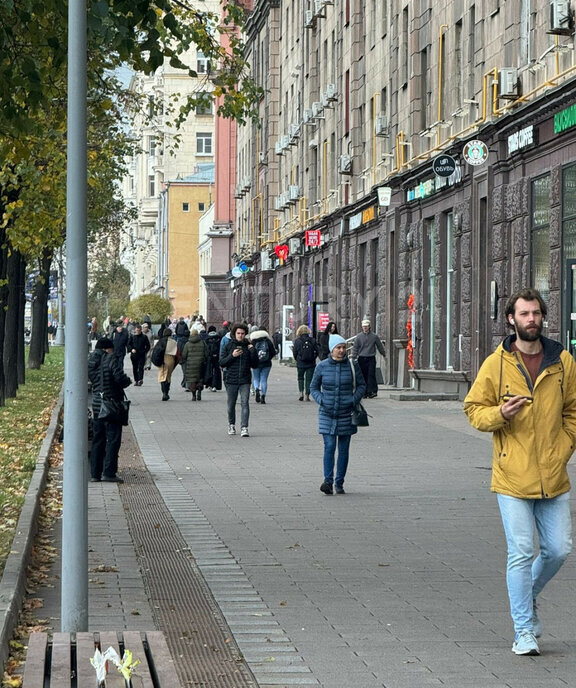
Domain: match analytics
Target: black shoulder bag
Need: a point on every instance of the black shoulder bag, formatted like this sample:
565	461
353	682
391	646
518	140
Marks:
359	413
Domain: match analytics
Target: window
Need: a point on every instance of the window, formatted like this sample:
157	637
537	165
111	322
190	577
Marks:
185	207
540	228
205	107
152	146
201	207
151	186
202	63
204	143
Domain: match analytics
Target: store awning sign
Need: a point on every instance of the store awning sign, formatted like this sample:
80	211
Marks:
565	119
524	138
475	152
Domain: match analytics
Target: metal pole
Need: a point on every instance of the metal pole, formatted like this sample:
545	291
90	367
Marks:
75	490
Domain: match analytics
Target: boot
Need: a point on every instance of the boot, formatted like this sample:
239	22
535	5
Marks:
257	393
165	396
199	395
193	396
307	397
262	398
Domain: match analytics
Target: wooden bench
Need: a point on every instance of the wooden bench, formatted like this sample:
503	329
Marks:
64	660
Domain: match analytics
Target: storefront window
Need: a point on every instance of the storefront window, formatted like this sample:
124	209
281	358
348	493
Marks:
540	225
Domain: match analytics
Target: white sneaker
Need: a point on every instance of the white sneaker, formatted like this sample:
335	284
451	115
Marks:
244	432
231	430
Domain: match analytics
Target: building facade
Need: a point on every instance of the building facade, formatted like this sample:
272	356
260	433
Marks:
415	164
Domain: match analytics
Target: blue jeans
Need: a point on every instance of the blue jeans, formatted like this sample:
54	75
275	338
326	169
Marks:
526	576
260	378
330	442
232	392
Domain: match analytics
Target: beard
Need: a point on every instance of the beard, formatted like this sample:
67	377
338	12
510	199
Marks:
530	334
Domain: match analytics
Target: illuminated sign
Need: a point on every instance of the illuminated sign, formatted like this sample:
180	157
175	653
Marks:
313	237
565	119
521	139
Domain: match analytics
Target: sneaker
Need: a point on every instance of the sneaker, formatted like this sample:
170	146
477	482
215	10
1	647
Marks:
525	644
339	489
244	432
231	429
326	488
536	623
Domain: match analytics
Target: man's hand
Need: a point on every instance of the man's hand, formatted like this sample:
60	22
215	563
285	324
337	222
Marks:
511	407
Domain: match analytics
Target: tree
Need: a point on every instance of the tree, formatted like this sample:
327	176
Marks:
157	307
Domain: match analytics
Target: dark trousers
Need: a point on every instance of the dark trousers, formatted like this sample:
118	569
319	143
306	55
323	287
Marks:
305	376
368	367
106	441
138	361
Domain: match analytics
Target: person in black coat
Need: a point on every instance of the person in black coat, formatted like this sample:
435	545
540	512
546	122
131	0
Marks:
305	352
120	342
324	338
109	381
238	358
213	376
139	346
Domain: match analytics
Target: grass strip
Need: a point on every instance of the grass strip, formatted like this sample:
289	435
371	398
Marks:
23	424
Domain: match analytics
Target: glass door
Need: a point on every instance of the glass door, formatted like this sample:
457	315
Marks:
570	308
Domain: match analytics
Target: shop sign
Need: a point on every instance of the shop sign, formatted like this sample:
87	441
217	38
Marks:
444	165
432	186
355	221
565	119
368	215
384	195
521	139
313	237
475	152
323	320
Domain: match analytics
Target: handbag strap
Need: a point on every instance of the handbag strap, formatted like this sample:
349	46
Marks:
353	375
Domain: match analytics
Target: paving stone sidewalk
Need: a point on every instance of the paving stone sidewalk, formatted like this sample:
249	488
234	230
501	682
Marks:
397	584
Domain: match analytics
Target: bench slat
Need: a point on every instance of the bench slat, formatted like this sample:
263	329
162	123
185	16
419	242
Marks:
162	659
141	677
35	661
114	678
61	663
84	650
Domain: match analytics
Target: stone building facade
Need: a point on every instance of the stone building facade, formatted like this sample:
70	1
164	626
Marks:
363	102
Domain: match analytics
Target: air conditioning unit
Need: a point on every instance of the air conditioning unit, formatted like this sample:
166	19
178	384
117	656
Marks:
285	199
285	141
308	19
307	118
238	192
317	109
331	93
326	102
246	183
319	6
278	149
294	193
262	158
294	134
266	261
295	246
508	83
561	18
381	125
345	164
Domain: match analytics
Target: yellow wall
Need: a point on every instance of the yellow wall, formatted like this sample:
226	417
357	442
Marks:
183	277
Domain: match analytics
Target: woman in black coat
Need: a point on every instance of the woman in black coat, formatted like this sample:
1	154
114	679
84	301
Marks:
323	338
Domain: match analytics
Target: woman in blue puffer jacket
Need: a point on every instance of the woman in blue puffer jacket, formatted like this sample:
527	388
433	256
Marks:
332	388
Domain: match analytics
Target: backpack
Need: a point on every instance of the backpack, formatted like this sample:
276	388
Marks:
181	328
261	346
157	356
307	351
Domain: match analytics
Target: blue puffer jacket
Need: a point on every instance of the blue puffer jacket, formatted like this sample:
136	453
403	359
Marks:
332	389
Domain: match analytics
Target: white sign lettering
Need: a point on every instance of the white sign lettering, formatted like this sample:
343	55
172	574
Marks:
521	139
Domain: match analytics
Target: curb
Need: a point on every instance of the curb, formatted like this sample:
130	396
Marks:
13	583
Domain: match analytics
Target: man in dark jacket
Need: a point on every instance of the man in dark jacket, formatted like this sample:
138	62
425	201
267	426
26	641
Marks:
364	350
238	358
139	346
120	342
108	380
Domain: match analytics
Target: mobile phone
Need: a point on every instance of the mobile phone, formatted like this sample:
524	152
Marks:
507	397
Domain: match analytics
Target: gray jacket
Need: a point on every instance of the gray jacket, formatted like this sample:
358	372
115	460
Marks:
366	344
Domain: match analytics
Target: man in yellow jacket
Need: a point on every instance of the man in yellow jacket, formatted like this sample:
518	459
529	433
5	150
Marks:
525	394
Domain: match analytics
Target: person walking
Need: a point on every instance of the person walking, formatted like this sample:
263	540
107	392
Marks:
364	350
305	352
334	390
323	340
120	342
108	381
147	332
525	395
213	376
266	351
138	346
194	359
167	350
238	358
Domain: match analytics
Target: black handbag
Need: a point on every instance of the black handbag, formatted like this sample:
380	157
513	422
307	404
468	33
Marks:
114	411
359	413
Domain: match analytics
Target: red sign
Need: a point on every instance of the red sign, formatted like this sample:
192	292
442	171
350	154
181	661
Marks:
313	237
323	320
281	251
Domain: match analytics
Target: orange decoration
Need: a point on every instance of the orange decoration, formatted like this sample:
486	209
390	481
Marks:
409	347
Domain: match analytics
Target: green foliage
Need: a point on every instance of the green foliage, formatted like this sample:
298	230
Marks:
153	305
23	422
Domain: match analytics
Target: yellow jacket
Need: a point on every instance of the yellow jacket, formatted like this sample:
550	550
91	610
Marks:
530	451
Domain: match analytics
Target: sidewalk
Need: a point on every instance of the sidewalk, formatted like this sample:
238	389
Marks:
399	583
